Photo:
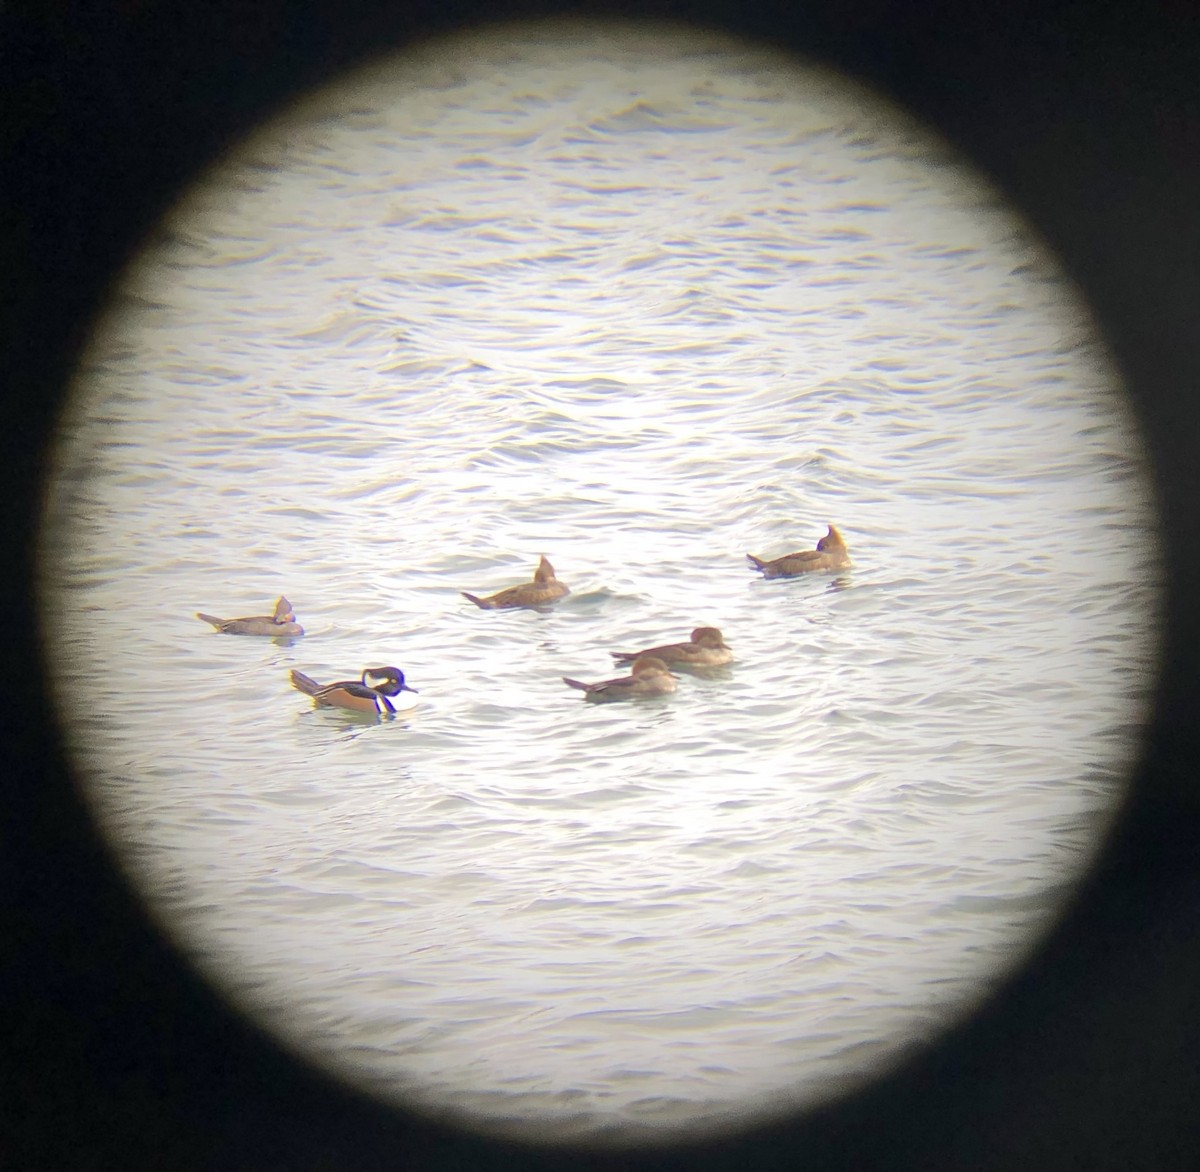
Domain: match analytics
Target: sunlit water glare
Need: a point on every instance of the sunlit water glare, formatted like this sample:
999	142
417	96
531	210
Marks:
641	304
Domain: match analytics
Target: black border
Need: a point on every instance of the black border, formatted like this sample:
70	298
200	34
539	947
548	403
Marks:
115	1055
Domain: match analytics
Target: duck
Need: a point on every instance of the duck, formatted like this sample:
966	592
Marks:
830	554
707	648
649	677
361	695
282	622
543	590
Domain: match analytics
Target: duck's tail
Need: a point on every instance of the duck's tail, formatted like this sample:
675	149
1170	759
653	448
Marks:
624	656
576	684
758	563
216	622
479	602
305	684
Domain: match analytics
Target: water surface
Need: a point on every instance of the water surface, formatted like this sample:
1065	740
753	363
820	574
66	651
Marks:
641	306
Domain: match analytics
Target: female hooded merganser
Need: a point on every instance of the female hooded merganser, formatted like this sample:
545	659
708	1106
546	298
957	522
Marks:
282	622
707	649
830	554
358	696
650	678
543	590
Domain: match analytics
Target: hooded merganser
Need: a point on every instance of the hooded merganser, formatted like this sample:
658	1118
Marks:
706	649
543	590
358	696
649	677
830	554
282	622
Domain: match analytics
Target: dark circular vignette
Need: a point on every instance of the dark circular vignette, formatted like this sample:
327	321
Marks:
118	1056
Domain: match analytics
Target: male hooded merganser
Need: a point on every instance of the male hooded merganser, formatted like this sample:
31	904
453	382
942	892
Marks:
543	590
830	554
282	622
650	678
358	696
706	649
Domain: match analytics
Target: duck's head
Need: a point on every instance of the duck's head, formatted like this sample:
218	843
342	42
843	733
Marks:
648	663
387	681
708	637
831	540
283	611
545	571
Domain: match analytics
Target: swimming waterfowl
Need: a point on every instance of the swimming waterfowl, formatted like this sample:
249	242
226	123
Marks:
282	622
358	696
830	554
543	590
706	649
650	677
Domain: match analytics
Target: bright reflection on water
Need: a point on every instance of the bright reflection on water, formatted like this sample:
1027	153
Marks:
643	305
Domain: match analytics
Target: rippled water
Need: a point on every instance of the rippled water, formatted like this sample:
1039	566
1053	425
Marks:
641	309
